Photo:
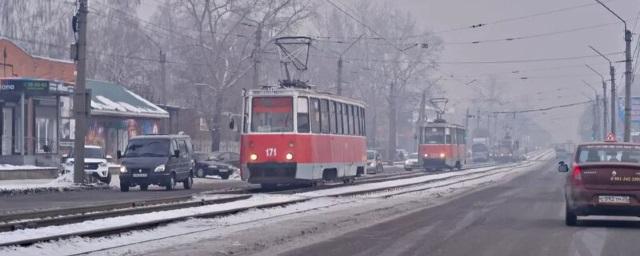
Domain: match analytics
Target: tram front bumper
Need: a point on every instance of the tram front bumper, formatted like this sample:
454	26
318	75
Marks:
272	173
434	163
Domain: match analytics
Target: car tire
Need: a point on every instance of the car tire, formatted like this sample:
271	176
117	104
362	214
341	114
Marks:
188	182
172	183
106	180
200	173
124	187
570	218
224	176
144	187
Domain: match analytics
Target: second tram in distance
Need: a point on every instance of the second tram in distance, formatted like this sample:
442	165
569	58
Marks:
441	146
293	135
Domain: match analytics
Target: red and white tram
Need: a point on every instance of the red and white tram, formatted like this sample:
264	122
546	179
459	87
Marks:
442	146
296	135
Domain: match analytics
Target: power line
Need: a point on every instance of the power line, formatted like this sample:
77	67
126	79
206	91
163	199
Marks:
543	109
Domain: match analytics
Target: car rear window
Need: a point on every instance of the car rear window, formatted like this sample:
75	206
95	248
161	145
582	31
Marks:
609	153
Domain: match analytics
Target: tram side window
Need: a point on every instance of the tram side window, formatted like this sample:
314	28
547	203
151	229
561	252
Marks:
349	120
303	114
345	121
433	135
324	116
339	117
461	137
332	116
315	115
364	122
454	136
356	113
447	136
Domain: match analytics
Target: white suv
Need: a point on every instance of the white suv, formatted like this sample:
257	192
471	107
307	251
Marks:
95	163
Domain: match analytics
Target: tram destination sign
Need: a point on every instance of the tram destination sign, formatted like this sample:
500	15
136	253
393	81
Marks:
24	85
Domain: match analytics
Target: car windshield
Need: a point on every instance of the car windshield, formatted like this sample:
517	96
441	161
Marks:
608	153
371	155
147	148
272	114
90	152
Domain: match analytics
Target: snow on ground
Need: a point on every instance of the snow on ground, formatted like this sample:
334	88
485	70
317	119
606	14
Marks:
217	228
22	167
62	183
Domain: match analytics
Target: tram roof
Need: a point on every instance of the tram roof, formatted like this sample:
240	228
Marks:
445	124
280	91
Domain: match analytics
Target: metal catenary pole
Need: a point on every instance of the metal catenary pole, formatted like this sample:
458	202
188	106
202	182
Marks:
627	86
79	105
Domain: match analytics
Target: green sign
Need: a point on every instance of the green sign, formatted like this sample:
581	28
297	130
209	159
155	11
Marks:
24	85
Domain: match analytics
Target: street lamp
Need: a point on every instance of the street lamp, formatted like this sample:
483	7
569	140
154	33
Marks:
627	73
340	64
596	106
604	103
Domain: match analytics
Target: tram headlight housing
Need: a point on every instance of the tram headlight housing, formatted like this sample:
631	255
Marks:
123	169
253	157
442	155
289	156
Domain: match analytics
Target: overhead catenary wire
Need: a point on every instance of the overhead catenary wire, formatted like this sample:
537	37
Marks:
544	108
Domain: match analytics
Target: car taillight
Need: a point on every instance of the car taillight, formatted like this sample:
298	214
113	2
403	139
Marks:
576	175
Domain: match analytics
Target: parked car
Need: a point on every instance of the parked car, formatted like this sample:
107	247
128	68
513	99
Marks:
603	180
95	163
374	162
211	164
231	158
161	160
412	162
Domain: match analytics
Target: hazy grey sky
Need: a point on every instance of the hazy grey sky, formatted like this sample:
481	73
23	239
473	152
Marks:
545	77
550	82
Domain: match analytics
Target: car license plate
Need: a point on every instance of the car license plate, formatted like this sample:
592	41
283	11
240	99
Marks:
223	170
613	199
140	175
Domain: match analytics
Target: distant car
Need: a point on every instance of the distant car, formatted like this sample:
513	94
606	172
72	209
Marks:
211	164
374	162
604	179
412	162
95	163
480	153
161	160
401	154
231	158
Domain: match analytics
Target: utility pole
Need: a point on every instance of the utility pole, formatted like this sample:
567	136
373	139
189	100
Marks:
80	96
628	73
341	64
604	100
163	71
257	45
612	72
596	104
627	85
421	117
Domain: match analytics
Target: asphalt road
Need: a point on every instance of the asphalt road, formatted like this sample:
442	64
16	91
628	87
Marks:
56	200
522	217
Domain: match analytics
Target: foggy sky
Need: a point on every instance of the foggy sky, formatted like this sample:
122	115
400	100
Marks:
550	83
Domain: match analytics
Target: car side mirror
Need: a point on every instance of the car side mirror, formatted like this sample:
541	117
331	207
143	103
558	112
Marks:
109	158
563	167
176	153
232	124
119	154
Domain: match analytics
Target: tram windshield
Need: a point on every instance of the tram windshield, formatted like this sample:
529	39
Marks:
272	114
432	135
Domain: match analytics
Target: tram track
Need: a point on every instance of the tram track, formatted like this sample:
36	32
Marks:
156	222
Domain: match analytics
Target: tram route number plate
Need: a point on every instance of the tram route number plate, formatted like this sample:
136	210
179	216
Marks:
613	199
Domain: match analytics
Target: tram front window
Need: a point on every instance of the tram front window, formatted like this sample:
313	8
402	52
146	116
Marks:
272	114
433	135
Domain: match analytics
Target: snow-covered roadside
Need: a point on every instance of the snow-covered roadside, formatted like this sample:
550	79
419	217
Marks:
220	232
62	183
4	167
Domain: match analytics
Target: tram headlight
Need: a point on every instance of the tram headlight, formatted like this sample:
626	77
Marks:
442	155
426	155
253	157
289	156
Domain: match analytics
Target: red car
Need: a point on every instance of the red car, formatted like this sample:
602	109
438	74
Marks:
604	179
